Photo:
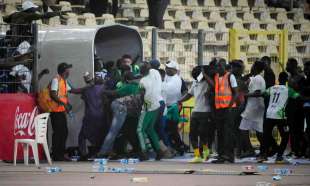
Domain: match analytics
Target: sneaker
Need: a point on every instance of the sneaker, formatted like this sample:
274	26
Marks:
168	154
143	156
221	161
196	160
205	154
279	160
247	154
159	155
261	159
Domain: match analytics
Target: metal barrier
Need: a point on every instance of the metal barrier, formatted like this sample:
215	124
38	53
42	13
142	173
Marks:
17	58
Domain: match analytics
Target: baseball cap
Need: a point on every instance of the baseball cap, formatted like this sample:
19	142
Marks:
172	64
62	67
155	63
28	4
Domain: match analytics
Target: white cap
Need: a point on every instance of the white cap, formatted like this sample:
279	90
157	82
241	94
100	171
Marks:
19	70
86	74
172	64
28	4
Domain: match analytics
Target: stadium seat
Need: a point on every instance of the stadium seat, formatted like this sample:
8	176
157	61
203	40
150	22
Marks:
249	17
215	16
237	25
167	16
181	15
65	6
175	2
89	19
210	36
125	1
185	25
10	8
305	27
192	3
140	2
272	50
259	4
128	13
169	25
203	25
54	21
242	3
262	38
198	15
147	47
253	50
296	37
271	26
72	19
107	19
226	3
265	17
254	26
282	17
232	17
144	13
209	3
220	26
40	125
162	48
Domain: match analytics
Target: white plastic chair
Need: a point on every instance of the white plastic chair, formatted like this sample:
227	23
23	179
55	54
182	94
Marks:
40	124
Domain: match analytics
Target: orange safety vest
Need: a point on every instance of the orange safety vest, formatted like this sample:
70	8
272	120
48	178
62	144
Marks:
62	94
223	92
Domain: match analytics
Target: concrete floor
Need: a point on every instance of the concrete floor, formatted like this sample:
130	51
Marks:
80	174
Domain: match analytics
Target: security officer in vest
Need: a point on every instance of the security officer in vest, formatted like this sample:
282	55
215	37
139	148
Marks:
59	89
225	87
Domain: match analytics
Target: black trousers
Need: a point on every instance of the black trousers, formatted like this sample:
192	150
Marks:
272	141
60	134
307	114
268	138
200	129
129	134
157	10
98	7
295	120
173	133
224	119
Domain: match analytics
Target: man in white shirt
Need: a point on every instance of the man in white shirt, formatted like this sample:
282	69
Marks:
253	115
201	126
151	84
172	91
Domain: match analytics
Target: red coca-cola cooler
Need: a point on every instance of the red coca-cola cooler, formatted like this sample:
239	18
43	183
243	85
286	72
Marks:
17	113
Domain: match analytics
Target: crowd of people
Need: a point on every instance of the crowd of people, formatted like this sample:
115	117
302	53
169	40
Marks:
133	109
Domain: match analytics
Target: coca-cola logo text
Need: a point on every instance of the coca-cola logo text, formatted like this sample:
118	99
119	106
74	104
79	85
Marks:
24	122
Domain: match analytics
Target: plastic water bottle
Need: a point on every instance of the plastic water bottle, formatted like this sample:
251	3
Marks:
53	169
276	178
124	161
133	161
129	170
101	161
262	168
99	165
76	156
